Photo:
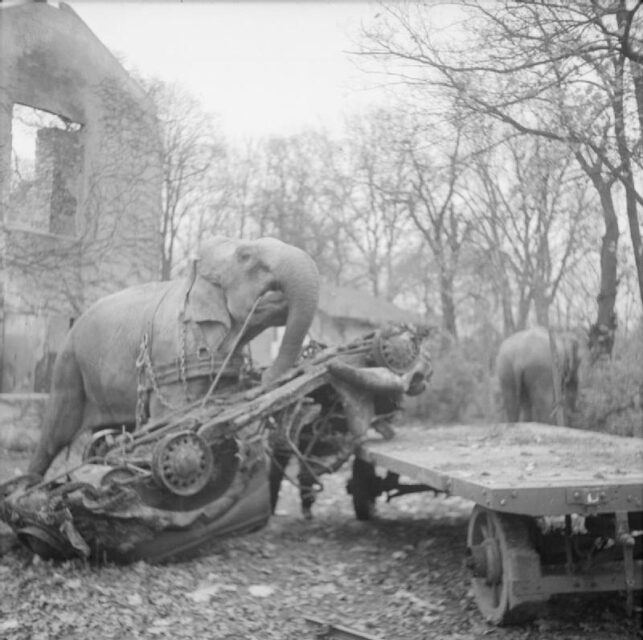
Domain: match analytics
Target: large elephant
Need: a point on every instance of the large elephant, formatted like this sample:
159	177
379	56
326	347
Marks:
524	368
153	348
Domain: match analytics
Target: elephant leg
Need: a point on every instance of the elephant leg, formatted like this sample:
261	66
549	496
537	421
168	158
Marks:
510	397
63	414
543	405
539	393
525	401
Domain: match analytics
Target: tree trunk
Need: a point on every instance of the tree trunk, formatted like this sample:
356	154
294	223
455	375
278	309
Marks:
447	301
541	304
509	326
626	175
502	280
601	333
523	312
637	79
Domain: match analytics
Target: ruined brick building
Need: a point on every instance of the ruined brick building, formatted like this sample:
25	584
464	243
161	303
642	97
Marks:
80	176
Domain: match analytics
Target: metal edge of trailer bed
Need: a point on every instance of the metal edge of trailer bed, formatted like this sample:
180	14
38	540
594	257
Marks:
514	568
580	490
585	498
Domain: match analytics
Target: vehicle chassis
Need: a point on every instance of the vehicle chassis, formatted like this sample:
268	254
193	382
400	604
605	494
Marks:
165	489
557	510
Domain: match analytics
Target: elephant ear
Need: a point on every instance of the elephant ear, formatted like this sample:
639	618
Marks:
206	303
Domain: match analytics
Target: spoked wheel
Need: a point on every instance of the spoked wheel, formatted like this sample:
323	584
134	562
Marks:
363	487
182	463
500	554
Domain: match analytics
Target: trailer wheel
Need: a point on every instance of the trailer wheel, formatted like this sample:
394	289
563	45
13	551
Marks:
499	554
363	487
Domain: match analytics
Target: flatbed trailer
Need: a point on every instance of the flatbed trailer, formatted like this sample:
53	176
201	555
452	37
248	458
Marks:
557	510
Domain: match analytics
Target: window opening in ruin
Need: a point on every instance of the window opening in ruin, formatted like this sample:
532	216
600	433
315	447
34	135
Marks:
46	164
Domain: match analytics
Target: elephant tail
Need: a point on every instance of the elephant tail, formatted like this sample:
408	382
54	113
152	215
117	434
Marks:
64	411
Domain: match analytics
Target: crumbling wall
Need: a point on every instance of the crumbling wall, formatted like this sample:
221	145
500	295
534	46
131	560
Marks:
85	222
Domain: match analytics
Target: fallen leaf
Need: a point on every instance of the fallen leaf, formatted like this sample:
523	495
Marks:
74	583
9	625
324	589
261	590
204	594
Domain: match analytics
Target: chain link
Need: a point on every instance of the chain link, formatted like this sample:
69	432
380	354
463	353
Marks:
183	372
146	372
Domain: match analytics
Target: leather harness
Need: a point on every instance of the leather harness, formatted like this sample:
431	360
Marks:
183	367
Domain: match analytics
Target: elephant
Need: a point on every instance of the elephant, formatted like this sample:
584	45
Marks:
150	349
524	368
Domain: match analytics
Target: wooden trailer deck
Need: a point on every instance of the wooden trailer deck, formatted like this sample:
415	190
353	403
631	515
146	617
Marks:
525	468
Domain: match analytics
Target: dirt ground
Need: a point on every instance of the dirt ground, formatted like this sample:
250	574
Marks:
399	577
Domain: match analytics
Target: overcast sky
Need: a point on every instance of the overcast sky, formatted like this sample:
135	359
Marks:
265	67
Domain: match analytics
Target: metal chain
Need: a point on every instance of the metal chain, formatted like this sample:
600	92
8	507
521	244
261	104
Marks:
145	366
183	373
233	348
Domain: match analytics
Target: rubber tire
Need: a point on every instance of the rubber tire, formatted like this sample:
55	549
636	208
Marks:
364	489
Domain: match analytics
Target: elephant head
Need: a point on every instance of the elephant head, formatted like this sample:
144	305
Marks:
283	278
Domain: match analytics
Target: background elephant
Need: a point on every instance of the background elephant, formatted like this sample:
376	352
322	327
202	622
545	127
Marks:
152	348
524	367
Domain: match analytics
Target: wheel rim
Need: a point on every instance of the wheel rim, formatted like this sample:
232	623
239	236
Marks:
394	347
362	488
183	463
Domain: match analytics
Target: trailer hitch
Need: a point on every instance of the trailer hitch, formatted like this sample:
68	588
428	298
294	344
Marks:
404	489
391	486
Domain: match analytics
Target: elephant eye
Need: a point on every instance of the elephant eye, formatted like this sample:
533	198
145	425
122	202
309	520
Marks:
244	255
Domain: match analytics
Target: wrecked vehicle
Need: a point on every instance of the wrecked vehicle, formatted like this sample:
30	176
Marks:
167	489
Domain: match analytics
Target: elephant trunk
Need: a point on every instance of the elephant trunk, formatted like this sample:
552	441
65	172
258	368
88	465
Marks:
298	278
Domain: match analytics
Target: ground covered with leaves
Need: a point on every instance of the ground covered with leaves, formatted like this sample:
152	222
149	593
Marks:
399	577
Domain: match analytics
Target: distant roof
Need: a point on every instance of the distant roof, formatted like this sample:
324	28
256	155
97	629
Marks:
356	304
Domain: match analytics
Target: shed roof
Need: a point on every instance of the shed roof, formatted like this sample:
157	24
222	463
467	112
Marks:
356	304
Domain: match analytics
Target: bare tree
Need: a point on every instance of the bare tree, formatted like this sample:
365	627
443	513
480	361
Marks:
531	223
291	195
189	152
371	185
438	212
553	70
